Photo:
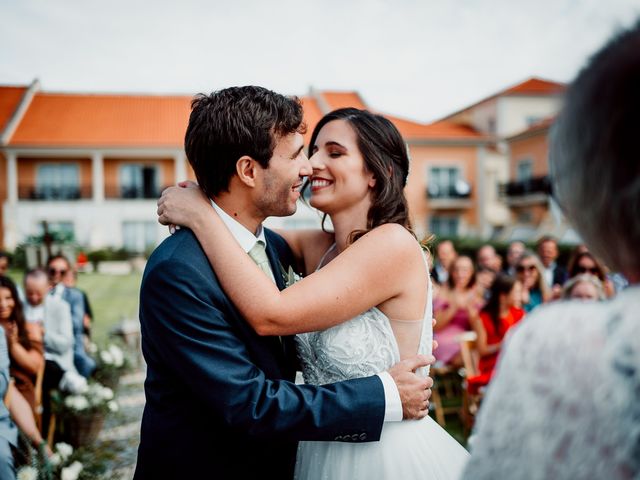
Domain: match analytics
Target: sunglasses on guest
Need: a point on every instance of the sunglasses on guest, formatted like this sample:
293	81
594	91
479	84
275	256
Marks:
591	270
528	268
53	271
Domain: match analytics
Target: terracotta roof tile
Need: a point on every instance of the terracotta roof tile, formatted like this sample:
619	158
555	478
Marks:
337	100
312	115
104	120
536	86
10	98
442	130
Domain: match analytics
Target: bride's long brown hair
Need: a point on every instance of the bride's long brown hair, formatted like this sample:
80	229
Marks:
386	156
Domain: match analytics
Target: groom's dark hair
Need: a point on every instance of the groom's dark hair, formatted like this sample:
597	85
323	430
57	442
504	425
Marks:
231	123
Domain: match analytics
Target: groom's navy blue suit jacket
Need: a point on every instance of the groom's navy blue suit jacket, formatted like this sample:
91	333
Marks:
220	402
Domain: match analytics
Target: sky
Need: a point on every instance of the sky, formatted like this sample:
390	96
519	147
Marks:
418	59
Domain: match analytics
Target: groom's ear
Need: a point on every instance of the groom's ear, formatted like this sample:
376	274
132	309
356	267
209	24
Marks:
246	168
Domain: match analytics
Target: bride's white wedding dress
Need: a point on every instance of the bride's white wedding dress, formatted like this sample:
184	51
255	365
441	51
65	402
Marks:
364	346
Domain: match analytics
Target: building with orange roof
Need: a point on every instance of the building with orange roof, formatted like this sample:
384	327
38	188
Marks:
528	194
93	165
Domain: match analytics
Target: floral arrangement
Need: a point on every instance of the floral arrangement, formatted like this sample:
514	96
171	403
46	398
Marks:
111	363
93	399
61	464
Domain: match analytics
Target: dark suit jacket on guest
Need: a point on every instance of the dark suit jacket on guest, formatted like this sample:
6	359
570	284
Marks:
220	402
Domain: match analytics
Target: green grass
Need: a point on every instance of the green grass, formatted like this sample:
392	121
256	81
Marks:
112	298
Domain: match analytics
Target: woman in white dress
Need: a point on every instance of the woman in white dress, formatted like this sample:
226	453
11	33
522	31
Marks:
565	400
365	303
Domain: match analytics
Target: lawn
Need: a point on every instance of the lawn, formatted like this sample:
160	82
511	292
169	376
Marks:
112	297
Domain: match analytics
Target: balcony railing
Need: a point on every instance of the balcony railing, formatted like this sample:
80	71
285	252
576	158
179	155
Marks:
54	193
530	186
460	190
136	192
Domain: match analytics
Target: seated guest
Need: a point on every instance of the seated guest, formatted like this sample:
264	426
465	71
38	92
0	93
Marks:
585	262
445	255
502	311
58	266
487	257
484	279
553	274
69	280
454	305
26	351
529	271
514	252
584	286
55	316
8	431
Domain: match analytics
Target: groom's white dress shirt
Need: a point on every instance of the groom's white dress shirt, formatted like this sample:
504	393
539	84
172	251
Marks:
247	239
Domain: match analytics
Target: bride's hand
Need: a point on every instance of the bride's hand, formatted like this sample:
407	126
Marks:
185	205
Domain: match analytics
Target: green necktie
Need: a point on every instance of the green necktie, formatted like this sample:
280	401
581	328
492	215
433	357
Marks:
259	255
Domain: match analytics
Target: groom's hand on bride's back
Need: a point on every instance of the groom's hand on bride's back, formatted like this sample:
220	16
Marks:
414	390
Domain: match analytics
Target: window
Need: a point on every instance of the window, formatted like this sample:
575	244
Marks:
139	181
525	170
57	182
445	182
138	236
444	226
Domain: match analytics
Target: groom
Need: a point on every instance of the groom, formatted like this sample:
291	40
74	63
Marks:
220	400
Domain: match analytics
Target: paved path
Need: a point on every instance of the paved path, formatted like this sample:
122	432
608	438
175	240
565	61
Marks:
120	436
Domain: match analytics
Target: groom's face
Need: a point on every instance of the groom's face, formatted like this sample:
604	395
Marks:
278	186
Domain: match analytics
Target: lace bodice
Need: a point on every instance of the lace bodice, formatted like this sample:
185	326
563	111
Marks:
360	347
565	402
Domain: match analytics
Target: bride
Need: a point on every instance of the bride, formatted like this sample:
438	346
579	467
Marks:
365	300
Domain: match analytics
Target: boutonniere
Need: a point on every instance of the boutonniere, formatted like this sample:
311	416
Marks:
289	276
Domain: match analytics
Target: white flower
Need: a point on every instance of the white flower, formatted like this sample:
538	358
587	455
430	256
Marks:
117	355
77	402
27	473
106	357
113	406
55	459
64	449
71	472
92	347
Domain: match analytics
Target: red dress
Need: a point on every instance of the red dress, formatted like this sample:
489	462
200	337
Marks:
488	362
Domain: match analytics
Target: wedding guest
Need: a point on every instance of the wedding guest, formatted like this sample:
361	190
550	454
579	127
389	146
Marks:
584	286
26	351
8	430
585	262
445	255
70	280
484	279
453	308
54	314
554	275
4	263
529	271
487	257
563	403
58	266
514	252
501	312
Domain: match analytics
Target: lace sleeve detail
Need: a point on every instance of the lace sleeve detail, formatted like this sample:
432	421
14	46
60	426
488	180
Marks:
564	401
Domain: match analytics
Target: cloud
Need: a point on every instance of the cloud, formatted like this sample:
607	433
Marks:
419	59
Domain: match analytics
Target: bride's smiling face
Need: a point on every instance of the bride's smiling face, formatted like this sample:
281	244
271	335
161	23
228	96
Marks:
340	178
